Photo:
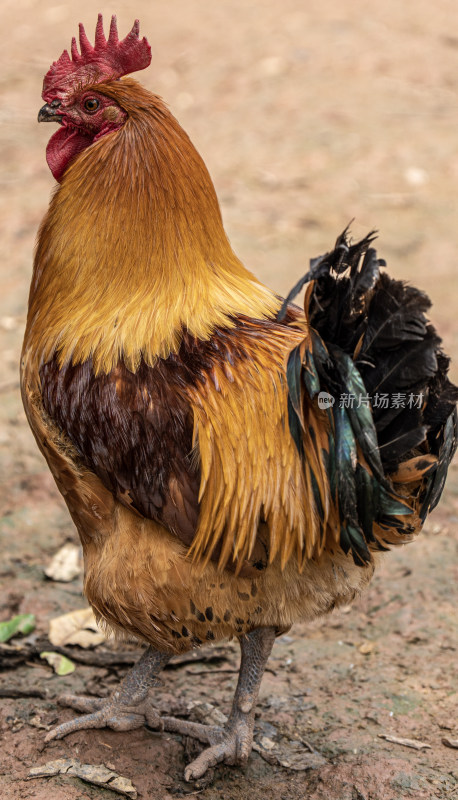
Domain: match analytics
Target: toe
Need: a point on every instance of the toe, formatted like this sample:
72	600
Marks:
88	721
109	716
80	703
208	734
232	746
219	753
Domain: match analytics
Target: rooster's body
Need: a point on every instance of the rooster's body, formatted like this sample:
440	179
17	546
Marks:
177	408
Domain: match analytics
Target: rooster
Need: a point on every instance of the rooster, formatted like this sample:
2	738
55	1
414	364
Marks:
199	428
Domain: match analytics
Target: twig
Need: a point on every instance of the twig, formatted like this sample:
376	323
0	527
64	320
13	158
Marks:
405	742
15	692
11	656
450	742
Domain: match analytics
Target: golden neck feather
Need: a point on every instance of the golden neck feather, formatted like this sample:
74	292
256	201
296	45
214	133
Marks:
133	250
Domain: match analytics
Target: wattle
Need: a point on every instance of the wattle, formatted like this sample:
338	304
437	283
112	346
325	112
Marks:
63	147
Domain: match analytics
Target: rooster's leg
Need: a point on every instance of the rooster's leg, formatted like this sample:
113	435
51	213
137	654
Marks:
128	707
231	744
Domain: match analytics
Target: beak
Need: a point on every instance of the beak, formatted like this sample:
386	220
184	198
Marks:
49	114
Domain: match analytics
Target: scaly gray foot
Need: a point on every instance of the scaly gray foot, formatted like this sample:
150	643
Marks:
129	707
231	744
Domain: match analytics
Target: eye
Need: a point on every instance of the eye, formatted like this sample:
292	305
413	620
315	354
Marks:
91	104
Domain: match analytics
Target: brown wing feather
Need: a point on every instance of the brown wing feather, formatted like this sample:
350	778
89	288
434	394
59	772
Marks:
134	431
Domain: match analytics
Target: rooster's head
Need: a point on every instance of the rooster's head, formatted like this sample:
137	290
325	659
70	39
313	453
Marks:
72	96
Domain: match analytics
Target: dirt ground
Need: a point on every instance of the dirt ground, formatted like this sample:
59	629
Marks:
308	114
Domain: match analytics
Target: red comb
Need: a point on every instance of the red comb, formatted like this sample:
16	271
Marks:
108	59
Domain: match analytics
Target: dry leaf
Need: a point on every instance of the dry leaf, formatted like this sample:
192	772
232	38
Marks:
366	648
77	627
405	742
65	564
291	755
266	743
9	323
97	774
36	722
206	713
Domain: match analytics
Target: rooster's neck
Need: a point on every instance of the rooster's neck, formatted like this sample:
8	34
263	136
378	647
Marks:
133	250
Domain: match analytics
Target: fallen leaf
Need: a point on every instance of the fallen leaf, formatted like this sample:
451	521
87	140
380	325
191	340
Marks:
65	564
366	648
97	774
21	623
266	743
289	754
206	713
302	761
60	664
8	323
405	742
77	627
450	742
36	722
286	750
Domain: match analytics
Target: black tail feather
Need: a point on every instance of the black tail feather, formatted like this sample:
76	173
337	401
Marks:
382	324
371	336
